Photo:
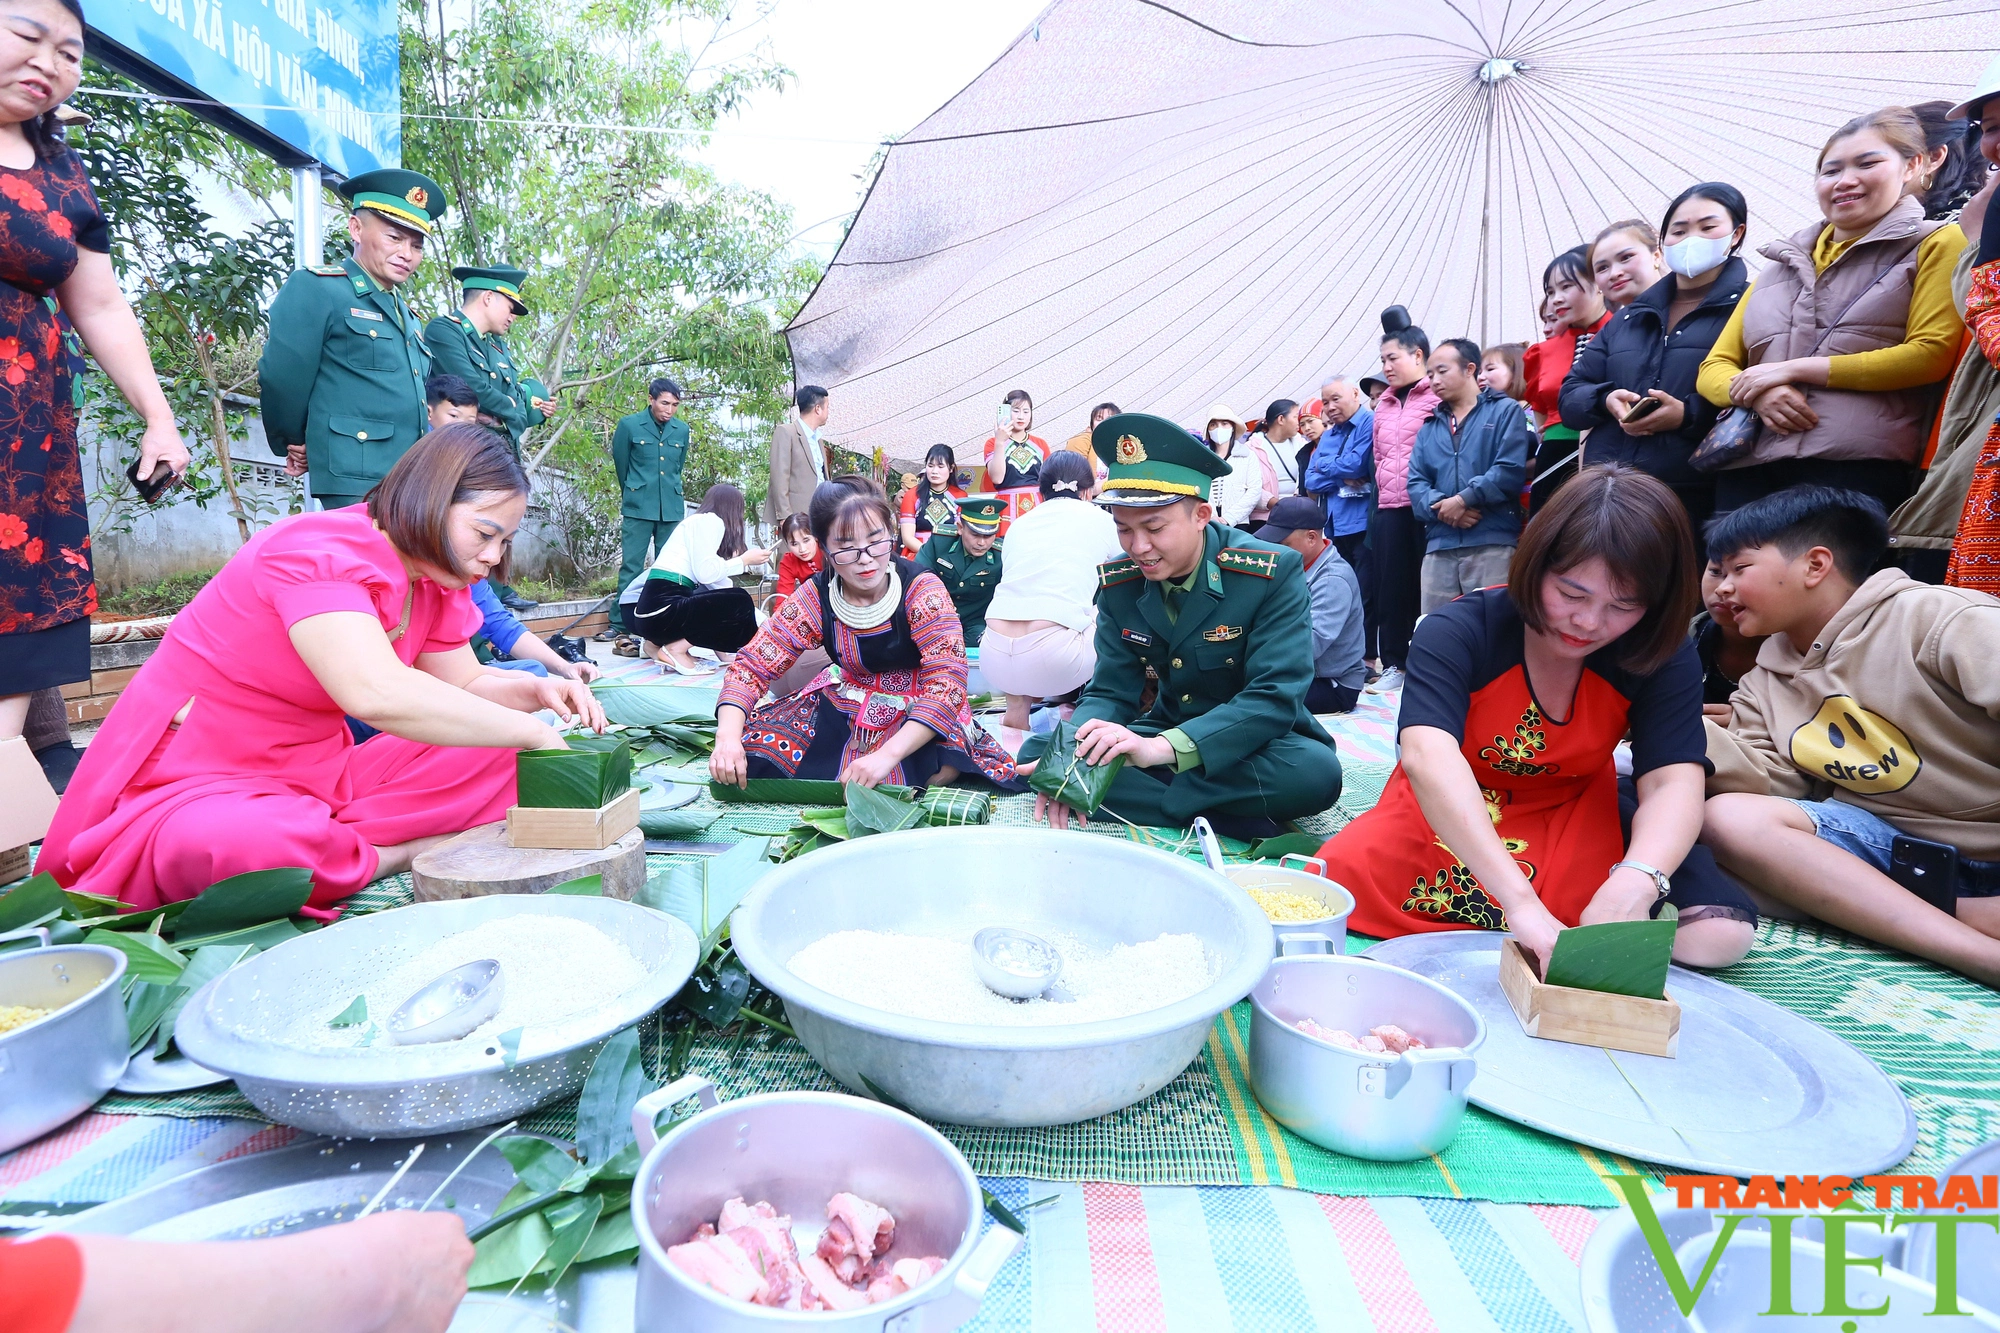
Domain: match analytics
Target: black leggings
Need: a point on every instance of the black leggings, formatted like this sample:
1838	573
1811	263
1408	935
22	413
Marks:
1326	696
721	620
1397	539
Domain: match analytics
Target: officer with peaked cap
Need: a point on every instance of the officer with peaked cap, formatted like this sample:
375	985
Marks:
344	364
471	342
1225	623
968	561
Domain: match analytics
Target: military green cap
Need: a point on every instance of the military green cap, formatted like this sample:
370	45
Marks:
981	513
408	197
506	281
1152	462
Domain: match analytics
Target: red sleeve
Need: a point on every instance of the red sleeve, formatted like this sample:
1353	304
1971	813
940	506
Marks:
1982	309
40	1283
906	503
323	573
940	692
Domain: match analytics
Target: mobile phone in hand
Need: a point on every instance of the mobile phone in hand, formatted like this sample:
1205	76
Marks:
150	488
1645	407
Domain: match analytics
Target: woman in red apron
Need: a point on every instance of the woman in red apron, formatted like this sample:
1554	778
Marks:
1505	812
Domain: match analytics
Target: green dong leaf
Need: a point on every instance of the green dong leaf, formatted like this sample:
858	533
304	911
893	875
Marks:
245	900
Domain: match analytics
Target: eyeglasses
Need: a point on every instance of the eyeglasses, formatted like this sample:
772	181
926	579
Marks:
852	555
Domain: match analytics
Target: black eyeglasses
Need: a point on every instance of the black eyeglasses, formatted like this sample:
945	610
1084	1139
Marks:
851	555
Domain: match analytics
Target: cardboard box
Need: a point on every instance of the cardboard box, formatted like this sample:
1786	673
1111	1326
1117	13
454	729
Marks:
1587	1017
574	830
27	801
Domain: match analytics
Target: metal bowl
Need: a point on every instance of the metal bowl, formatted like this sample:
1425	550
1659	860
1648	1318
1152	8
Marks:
1101	890
1330	930
57	1067
796	1150
399	1091
1388	1108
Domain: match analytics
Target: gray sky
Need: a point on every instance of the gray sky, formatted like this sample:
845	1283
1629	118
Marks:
867	70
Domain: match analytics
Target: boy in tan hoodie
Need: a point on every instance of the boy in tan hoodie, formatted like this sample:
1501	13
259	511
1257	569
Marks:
1870	721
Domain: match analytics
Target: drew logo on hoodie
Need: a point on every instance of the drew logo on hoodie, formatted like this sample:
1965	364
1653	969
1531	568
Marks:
1859	750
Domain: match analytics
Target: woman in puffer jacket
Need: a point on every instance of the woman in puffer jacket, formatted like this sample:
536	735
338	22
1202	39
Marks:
1633	387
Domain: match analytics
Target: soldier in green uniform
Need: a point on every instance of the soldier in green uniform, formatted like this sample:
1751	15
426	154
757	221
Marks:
968	561
471	343
648	450
344	365
1225	622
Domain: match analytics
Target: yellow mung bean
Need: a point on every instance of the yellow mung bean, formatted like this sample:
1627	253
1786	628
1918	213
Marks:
20	1015
1288	906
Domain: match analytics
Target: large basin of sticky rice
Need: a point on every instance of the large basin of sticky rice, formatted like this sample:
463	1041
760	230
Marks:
869	944
573	970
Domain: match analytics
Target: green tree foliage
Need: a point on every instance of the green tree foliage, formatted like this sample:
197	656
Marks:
563	130
199	293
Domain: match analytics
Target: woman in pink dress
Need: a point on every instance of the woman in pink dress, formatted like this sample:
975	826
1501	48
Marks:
229	751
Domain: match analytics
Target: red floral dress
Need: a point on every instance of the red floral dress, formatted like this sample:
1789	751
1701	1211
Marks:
46	213
1550	787
1975	551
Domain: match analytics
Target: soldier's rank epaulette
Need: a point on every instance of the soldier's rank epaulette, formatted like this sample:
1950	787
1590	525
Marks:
328	270
1241	560
1114	572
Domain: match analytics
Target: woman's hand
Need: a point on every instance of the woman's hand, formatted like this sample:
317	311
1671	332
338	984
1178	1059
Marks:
570	700
756	555
1535	930
1784	409
1972	218
584	671
1722	713
1669	416
1625	895
1746	384
1618	402
162	444
727	763
870	770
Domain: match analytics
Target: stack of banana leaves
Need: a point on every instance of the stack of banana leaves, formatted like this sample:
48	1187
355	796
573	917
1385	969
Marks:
869	810
660	723
172	951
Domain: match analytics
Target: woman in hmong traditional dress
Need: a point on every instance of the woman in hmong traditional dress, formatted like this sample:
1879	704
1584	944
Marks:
891	708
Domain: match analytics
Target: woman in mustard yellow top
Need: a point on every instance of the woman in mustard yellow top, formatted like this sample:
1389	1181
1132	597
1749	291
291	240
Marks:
1843	343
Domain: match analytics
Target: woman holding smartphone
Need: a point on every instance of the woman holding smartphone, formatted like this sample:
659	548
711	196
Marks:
1633	387
55	264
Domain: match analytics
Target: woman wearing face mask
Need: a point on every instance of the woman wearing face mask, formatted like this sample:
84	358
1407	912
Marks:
1633	387
229	751
1574	301
929	505
1624	261
895	711
1235	495
1840	345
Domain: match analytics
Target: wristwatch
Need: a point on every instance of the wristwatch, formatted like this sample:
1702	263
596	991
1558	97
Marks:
1659	877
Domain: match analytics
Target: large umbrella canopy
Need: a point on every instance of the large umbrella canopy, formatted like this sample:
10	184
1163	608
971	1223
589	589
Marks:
1166	204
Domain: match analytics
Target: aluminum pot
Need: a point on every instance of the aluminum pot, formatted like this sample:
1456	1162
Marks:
1325	934
55	1069
796	1150
1102	890
1388	1108
408	1091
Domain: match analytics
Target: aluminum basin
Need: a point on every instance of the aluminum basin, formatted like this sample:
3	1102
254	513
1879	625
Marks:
403	1091
954	881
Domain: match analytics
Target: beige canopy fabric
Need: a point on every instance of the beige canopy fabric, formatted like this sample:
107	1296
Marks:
1162	204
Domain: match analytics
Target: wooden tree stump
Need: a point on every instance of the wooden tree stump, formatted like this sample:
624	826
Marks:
480	861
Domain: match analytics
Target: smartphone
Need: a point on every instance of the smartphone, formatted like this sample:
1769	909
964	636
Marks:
150	489
1927	869
1645	407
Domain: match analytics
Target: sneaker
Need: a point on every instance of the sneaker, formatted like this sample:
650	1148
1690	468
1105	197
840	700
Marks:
1390	679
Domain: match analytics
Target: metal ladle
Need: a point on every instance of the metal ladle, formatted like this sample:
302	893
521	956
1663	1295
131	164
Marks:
1018	964
450	1007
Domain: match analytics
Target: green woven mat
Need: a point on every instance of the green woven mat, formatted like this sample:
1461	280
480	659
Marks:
1935	1033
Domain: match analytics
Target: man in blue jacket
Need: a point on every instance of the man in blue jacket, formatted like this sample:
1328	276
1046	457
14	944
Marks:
1341	475
1466	471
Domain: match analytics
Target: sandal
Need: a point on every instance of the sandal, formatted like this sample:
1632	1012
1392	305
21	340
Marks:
626	647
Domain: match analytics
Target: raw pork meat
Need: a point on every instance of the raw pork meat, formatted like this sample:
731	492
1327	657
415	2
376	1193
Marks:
749	1255
1387	1039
